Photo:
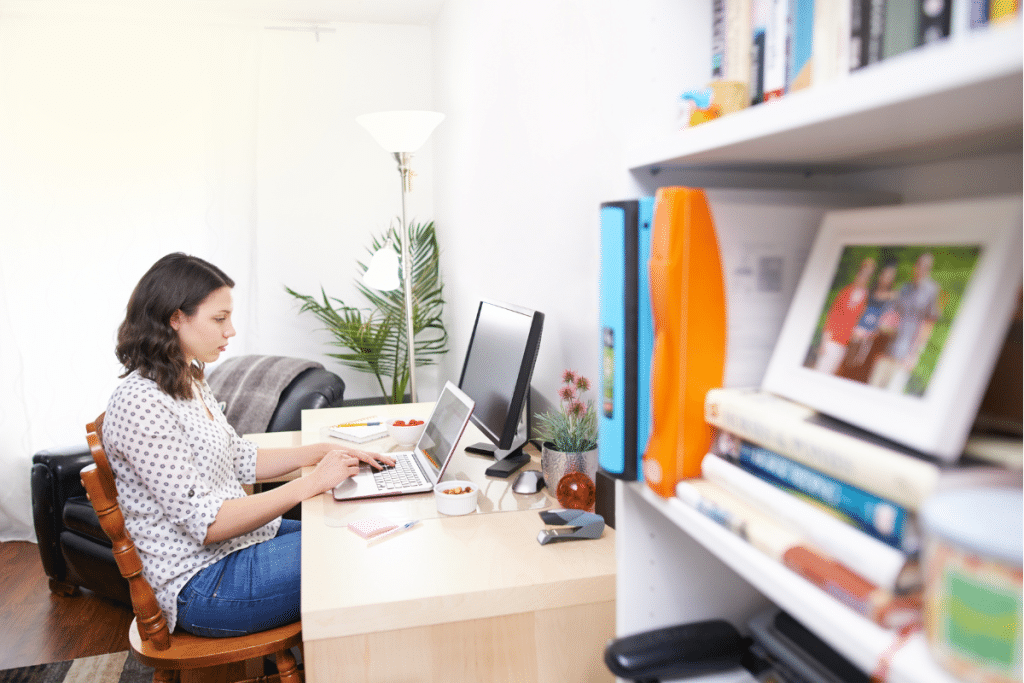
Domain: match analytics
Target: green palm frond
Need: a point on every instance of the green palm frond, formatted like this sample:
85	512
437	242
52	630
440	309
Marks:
375	337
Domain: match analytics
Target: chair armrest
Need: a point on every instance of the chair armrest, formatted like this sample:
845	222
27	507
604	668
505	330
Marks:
55	479
312	388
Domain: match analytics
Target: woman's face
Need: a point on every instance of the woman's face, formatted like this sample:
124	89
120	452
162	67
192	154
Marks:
204	336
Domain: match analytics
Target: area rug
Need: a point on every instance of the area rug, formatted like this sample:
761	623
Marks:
119	667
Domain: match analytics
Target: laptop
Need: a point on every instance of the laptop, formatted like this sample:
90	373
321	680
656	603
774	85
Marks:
418	470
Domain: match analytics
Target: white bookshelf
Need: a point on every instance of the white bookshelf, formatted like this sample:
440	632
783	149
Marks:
954	102
959	97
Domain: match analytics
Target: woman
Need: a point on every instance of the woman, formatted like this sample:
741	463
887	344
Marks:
842	317
221	563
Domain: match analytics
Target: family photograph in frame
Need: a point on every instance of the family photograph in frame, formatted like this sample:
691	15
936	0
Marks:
889	313
899	317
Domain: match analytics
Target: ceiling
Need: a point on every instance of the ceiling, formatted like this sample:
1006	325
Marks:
292	11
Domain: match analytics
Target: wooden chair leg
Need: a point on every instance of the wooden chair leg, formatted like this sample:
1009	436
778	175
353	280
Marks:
165	676
287	668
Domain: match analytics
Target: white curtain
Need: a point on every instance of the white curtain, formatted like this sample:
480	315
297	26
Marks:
121	140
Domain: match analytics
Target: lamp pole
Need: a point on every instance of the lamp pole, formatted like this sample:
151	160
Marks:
403	170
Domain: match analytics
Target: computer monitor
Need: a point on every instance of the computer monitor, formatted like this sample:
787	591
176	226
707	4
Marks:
496	374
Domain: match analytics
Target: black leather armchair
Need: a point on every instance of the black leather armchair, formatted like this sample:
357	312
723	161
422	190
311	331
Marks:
74	550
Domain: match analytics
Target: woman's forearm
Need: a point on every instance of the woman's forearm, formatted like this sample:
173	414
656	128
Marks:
241	515
274	462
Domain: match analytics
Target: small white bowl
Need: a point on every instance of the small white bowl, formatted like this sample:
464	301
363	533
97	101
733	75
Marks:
405	436
455	504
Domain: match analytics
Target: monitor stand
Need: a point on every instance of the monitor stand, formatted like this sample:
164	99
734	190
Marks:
505	462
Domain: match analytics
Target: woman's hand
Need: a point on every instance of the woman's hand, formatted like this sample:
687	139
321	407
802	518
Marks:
374	460
338	464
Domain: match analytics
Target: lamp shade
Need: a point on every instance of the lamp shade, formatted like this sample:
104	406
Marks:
400	131
382	273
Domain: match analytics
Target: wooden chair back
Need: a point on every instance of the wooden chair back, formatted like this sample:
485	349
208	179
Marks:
99	484
201	659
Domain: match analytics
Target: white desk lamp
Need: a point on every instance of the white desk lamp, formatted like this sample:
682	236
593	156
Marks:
401	133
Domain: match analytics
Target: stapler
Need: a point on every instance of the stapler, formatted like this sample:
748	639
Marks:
580	525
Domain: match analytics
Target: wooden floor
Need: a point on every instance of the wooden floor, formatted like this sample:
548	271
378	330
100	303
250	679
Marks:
37	627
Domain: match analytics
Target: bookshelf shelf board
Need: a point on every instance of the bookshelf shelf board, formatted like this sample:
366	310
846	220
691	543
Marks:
944	101
858	639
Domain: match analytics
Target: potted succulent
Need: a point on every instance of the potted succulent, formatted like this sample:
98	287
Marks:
569	449
374	339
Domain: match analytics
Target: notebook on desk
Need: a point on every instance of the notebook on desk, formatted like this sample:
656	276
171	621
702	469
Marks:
418	470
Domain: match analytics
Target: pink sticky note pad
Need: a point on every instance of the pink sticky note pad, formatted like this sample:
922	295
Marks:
368	527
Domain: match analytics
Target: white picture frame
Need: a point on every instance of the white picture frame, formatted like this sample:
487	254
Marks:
956	325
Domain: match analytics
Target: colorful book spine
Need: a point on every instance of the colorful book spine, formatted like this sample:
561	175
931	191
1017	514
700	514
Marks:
843	452
877	562
776	47
794	551
863	597
881	518
935	18
796	432
719	20
1003	10
801	44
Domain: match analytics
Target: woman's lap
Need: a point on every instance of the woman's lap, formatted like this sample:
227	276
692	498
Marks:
250	590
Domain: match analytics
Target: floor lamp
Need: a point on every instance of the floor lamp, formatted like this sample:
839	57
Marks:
401	133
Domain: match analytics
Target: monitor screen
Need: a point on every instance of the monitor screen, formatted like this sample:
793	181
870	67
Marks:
497	371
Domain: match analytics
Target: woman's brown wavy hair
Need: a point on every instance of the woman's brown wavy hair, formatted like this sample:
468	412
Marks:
146	341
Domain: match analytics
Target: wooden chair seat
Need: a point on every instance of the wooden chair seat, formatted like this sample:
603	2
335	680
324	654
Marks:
171	654
188	651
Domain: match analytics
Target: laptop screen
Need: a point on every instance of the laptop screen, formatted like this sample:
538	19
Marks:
444	428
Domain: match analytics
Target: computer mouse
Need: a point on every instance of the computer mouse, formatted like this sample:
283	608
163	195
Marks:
528	481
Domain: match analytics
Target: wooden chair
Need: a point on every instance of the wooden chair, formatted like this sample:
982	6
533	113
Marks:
179	655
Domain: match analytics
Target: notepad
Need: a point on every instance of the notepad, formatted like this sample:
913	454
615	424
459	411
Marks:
368	527
360	434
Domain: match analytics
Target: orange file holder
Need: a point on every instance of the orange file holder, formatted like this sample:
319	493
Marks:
688	305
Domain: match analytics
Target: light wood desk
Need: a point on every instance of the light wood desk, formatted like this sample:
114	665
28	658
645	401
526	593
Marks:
472	598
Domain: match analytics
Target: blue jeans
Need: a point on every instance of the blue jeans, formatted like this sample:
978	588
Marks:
250	590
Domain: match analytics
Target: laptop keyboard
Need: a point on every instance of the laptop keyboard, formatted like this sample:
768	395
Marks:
403	475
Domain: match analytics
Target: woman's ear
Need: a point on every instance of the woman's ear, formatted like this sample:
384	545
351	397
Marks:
176	319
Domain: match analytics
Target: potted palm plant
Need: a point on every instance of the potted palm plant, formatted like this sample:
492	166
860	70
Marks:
569	449
373	339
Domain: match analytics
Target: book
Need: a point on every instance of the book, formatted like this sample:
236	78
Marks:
872	514
776	48
902	27
877	562
801	44
368	429
934	21
831	51
736	65
1004	450
798	554
719	23
840	450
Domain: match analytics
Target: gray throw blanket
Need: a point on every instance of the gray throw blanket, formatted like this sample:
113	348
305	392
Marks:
251	387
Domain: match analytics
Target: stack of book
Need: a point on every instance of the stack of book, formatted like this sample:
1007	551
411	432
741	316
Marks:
834	504
778	46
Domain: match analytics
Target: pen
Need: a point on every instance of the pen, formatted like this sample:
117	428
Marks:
396	530
358	424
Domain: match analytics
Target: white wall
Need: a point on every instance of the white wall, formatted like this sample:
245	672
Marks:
126	135
541	100
324	186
